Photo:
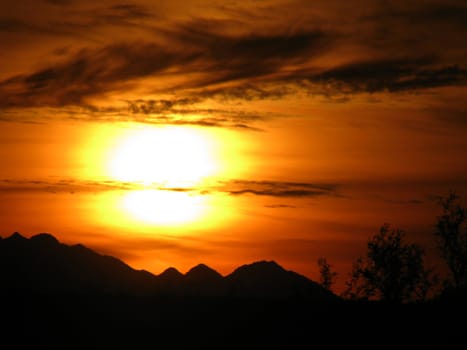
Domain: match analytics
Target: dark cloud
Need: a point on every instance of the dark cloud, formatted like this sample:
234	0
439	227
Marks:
278	188
251	56
268	47
424	13
186	111
249	92
232	187
73	22
391	75
225	60
89	73
161	112
57	29
274	206
73	186
152	106
14	25
93	72
63	186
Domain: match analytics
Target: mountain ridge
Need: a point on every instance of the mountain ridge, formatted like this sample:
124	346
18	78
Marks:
43	264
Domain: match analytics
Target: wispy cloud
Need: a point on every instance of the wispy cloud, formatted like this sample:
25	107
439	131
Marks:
230	187
239	56
93	72
216	58
74	21
278	188
63	186
390	75
277	206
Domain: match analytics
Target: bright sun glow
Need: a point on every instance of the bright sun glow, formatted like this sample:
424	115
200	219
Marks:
165	158
164	207
171	156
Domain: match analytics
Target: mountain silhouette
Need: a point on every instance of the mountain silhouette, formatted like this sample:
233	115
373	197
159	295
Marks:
201	280
42	264
169	282
267	279
171	275
68	296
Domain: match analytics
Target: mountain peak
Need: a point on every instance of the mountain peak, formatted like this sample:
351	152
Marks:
43	264
202	271
171	272
260	267
267	279
201	267
271	264
16	237
45	239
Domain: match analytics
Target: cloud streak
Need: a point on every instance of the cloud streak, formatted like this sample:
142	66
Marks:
195	61
92	72
278	188
391	75
229	187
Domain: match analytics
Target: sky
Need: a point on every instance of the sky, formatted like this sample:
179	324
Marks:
172	133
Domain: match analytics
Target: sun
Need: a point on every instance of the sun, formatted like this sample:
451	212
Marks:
169	156
167	163
165	208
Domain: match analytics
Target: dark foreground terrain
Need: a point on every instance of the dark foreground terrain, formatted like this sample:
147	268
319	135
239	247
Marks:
86	322
55	296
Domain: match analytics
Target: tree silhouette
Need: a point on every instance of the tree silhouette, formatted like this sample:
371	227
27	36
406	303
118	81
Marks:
391	271
452	241
327	276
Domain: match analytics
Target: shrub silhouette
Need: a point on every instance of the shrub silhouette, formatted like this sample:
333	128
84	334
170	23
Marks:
452	241
392	270
327	276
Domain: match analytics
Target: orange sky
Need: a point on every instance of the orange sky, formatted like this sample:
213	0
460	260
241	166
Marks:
175	133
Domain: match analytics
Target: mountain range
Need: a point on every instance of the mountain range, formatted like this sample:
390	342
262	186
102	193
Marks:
59	296
41	264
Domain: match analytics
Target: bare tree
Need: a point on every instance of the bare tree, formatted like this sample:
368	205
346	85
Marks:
391	271
452	238
327	276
